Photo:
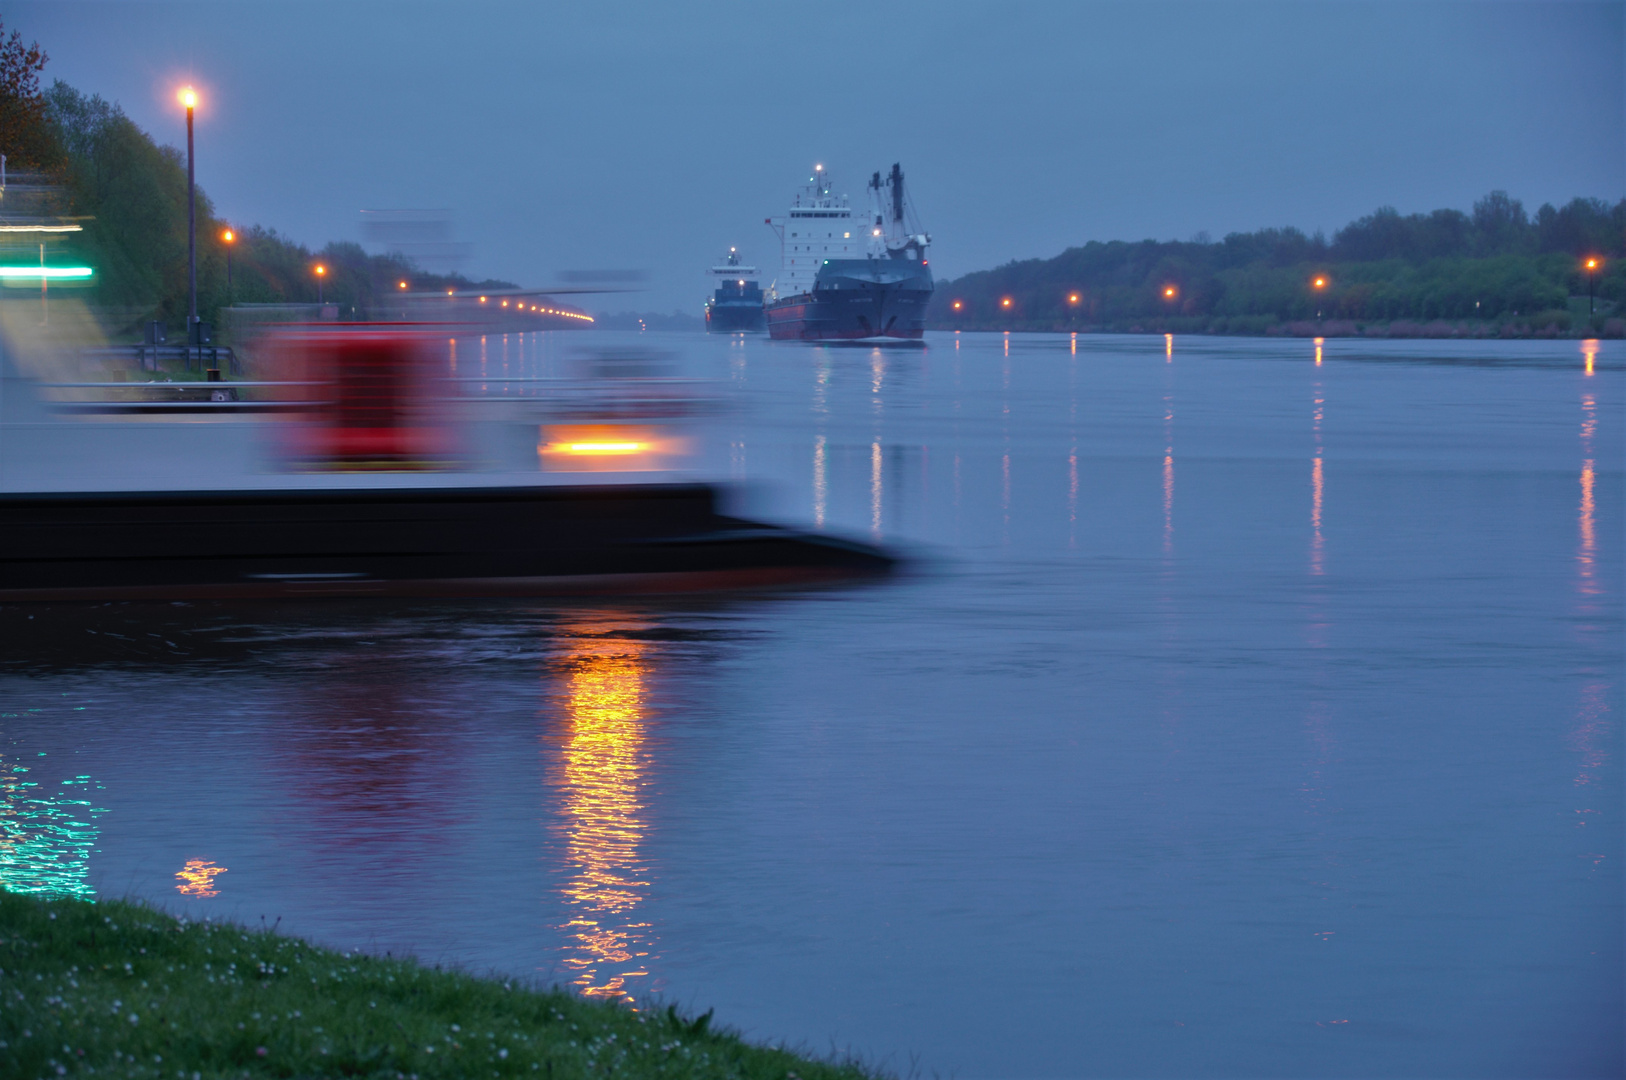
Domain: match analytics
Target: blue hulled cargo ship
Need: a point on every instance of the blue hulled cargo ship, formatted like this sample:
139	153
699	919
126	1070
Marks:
847	276
736	302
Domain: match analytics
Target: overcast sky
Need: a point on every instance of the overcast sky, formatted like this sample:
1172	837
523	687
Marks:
654	135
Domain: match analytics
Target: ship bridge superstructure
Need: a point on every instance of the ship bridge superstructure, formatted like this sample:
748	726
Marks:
818	227
729	268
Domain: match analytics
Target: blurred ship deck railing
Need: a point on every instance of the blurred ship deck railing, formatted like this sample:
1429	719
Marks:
550	399
151	357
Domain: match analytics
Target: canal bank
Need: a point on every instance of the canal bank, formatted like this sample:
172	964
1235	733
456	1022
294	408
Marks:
124	988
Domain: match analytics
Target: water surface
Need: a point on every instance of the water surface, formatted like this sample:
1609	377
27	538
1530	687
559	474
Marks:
1253	709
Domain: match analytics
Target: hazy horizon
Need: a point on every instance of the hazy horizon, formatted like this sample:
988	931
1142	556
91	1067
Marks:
634	136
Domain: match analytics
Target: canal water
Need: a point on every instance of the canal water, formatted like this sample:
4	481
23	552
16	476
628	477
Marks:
1251	707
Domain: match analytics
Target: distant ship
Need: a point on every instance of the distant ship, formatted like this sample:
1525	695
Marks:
736	304
844	278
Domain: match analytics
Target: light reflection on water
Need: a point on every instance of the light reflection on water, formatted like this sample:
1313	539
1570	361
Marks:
197	879
46	839
598	777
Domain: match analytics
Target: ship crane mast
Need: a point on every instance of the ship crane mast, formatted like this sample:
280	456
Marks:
893	235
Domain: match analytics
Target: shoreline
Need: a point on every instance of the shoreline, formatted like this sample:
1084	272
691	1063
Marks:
1435	330
118	986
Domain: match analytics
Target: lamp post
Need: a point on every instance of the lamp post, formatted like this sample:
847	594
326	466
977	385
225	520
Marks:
1320	286
189	98
1591	269
228	238
321	274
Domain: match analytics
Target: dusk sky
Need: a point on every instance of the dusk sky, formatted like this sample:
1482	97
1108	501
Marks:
653	136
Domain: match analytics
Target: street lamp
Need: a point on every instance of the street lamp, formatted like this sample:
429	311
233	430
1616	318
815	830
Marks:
228	238
1591	269
321	274
1170	292
189	98
1319	284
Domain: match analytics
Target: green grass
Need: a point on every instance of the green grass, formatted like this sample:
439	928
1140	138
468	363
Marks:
118	988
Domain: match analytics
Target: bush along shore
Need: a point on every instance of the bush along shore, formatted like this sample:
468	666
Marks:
119	988
1498	272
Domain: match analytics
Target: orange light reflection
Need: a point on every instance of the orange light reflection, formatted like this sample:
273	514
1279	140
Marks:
601	780
197	878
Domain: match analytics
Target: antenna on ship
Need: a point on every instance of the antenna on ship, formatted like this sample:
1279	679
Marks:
897	192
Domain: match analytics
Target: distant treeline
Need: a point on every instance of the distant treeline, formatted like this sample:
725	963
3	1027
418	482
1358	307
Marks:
1497	270
129	194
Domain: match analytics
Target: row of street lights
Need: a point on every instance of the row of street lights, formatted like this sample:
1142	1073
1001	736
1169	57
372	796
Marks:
188	97
1318	285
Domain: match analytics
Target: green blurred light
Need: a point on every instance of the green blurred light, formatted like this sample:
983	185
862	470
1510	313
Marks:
47	273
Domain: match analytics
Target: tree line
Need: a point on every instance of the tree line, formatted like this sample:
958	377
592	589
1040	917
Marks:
1498	265
129	195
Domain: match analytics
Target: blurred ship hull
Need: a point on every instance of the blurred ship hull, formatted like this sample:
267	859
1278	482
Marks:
446	542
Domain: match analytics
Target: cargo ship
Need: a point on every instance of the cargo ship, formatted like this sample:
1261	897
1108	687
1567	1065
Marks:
736	303
847	275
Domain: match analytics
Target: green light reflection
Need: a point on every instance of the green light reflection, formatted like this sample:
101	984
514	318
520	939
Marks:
46	840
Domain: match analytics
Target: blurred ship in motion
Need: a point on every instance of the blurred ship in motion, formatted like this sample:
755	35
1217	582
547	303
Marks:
373	465
845	277
736	303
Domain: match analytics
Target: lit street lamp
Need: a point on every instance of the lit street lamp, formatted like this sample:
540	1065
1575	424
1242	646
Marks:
1591	269
189	98
321	274
228	238
1320	286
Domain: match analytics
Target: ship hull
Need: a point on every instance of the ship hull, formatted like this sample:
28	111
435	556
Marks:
733	318
857	300
525	541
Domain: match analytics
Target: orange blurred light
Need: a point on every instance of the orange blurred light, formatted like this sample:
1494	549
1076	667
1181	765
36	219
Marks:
320	270
482	299
1592	264
1320	283
188	97
228	236
1072	298
1168	292
602	441
403	284
958	305
1005	302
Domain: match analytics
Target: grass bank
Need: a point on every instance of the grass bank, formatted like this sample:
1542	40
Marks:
118	988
